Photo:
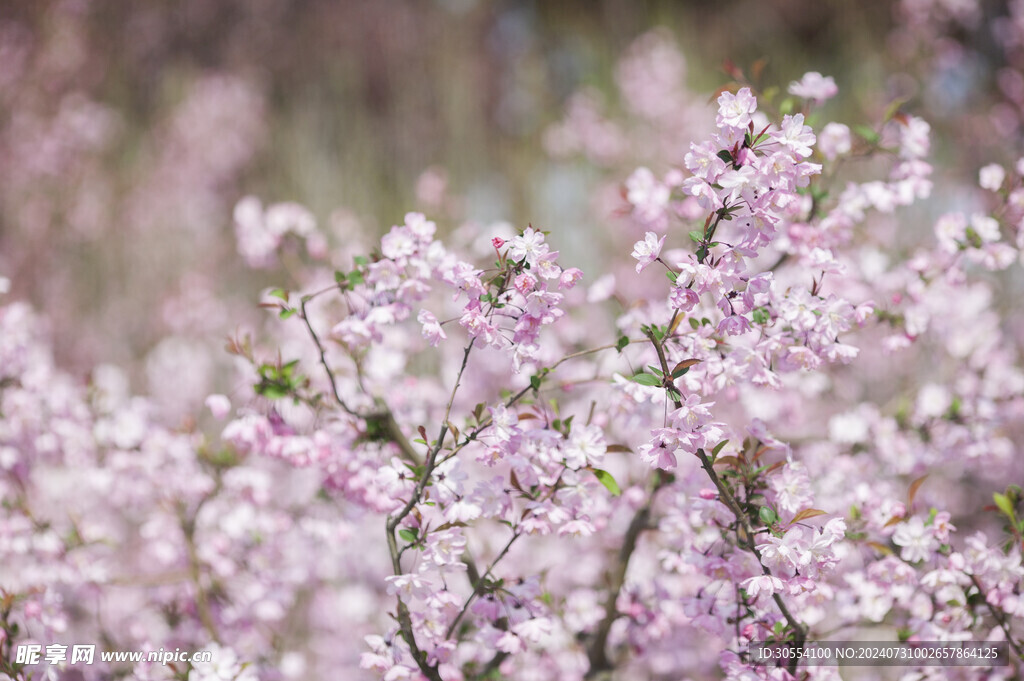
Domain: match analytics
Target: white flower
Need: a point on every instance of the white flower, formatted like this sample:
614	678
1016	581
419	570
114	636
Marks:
991	177
530	245
917	541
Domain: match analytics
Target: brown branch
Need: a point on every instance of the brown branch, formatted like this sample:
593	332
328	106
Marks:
478	583
597	654
747	540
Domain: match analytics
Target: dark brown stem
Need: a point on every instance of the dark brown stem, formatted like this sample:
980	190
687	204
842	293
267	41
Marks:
597	653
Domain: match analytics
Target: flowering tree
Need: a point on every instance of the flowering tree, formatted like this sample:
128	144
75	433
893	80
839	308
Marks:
765	424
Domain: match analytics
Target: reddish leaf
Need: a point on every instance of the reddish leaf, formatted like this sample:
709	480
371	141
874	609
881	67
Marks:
757	68
685	364
807	513
914	486
731	70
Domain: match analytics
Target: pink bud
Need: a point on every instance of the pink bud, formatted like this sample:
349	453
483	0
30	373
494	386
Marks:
219	406
745	156
708	494
497	242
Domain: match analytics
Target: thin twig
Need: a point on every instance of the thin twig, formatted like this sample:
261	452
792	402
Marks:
403	616
478	583
1000	618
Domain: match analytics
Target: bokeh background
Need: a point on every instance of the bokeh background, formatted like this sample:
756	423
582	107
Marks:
129	130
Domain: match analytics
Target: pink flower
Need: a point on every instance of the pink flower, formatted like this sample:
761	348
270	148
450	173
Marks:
660	452
569	278
814	86
834	140
525	283
790	550
408	586
648	196
734	110
219	406
795	136
648	250
762	585
432	330
683	299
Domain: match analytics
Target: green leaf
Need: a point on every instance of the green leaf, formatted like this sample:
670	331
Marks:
621	344
408	535
606	479
761	315
694	324
718	448
647	379
672	276
697	236
279	293
271	391
360	260
1003	504
355	277
768	516
286	312
535	382
867	133
894	108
